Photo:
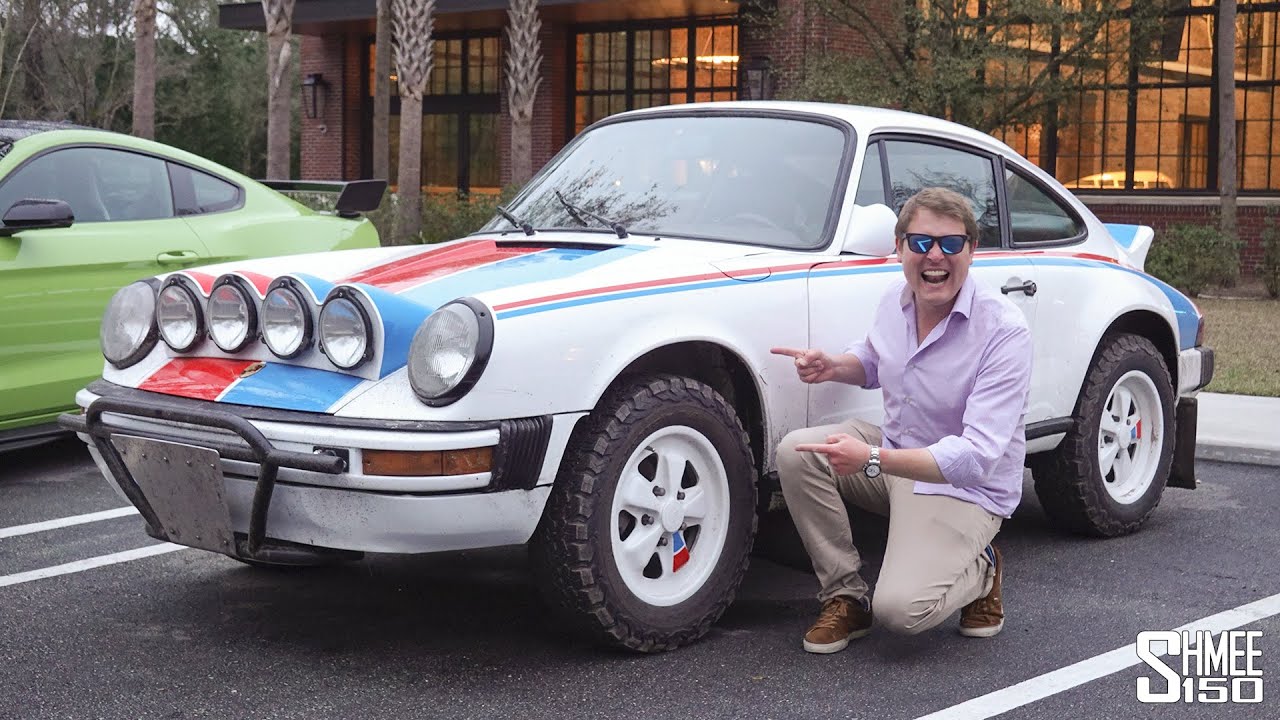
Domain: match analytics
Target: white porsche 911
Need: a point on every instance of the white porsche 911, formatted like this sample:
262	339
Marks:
590	373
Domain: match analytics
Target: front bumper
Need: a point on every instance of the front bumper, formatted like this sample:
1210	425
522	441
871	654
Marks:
1195	369
286	479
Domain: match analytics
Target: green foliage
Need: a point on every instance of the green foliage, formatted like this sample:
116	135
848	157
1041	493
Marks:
1193	258
1268	270
986	65
445	217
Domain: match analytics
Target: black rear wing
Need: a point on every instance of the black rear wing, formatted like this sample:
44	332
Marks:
354	196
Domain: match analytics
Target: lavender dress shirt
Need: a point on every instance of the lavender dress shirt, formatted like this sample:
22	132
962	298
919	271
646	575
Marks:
961	394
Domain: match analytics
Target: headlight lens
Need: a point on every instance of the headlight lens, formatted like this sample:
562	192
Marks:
128	329
232	317
286	324
344	332
178	315
449	350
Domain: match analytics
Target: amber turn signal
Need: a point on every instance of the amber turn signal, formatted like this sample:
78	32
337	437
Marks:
420	463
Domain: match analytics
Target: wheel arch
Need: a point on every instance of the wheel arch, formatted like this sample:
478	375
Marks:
1154	328
719	367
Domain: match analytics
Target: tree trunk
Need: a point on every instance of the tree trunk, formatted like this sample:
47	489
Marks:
279	17
1227	169
144	68
524	60
409	211
415	56
382	93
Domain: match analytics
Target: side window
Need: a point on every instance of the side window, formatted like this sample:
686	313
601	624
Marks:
914	166
132	186
200	193
871	179
1034	215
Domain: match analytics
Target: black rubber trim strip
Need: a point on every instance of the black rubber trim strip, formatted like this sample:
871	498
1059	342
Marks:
107	389
1045	428
521	449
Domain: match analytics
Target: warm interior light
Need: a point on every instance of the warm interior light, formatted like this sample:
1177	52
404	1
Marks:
701	60
427	463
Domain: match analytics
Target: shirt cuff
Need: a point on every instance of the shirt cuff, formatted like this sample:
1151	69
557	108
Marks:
956	462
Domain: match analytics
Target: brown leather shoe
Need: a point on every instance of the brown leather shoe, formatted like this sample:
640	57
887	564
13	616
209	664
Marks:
843	619
984	617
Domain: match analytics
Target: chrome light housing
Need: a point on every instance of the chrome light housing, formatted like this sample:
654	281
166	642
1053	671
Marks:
128	331
345	330
178	314
286	321
450	351
232	314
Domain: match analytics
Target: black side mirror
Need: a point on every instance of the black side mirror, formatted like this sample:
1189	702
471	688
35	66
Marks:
36	214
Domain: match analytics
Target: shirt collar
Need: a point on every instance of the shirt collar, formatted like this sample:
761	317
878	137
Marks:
964	298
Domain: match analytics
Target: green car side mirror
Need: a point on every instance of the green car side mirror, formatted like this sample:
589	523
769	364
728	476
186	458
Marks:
36	214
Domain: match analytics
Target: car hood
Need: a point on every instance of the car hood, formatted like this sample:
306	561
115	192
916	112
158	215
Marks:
514	276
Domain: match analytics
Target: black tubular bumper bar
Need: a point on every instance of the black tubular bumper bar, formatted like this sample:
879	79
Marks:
256	449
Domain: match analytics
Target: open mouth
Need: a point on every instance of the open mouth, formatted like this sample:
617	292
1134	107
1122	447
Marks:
935	277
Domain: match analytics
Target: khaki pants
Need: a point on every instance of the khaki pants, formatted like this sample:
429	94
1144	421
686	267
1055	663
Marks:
932	562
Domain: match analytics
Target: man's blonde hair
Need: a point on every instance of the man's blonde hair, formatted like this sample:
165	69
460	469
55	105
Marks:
939	201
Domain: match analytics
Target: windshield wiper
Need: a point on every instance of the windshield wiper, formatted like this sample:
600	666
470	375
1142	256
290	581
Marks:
524	226
578	212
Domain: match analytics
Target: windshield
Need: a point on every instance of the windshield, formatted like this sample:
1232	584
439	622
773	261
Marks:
757	180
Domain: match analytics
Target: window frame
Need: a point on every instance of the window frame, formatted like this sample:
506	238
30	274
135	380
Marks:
121	148
993	158
1053	195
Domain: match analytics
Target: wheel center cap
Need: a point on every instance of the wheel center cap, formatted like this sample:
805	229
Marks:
672	515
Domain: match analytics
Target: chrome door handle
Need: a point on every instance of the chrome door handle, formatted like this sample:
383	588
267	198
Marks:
1028	287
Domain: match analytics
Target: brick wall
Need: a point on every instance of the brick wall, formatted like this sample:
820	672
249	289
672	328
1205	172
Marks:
1161	214
799	34
331	141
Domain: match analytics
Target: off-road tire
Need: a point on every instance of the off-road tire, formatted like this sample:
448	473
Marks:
571	549
1068	480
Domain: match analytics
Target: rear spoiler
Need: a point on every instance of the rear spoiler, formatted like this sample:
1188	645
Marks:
1134	241
355	196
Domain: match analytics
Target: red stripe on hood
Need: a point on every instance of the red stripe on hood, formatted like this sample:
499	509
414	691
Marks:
204	280
260	282
199	378
403	273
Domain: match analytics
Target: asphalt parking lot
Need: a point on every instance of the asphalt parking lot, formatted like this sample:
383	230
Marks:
186	634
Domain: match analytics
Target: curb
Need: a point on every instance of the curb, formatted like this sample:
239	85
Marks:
1224	452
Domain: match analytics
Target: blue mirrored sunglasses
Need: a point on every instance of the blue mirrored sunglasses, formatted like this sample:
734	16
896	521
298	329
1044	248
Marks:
921	243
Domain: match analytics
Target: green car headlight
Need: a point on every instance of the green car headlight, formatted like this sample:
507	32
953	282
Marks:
128	329
450	350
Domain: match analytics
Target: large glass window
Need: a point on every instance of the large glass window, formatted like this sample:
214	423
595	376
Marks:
1150	125
617	70
460	123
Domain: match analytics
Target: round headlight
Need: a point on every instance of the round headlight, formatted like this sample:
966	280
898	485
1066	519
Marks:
286	324
232	317
344	332
128	329
178	315
449	351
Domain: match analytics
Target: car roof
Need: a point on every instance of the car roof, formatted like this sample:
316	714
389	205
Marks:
865	119
13	130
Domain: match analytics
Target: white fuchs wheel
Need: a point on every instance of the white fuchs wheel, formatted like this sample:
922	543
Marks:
1131	434
670	516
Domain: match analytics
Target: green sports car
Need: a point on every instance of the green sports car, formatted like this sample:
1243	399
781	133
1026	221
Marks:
85	212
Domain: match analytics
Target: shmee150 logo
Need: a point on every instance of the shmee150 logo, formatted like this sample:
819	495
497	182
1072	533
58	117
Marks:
1210	668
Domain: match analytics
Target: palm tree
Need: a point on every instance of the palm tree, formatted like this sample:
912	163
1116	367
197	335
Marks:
415	56
524	58
1227	166
382	92
144	68
279	20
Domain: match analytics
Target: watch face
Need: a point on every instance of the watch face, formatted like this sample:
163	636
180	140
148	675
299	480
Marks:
872	471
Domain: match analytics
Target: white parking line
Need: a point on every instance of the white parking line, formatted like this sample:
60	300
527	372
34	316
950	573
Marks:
1038	688
65	522
89	564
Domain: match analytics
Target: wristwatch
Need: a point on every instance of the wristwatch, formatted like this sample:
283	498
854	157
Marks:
872	468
